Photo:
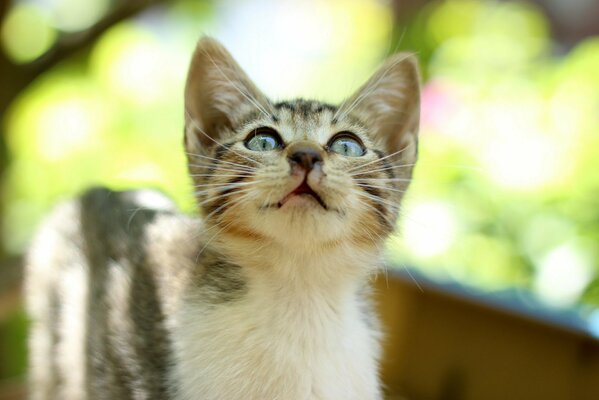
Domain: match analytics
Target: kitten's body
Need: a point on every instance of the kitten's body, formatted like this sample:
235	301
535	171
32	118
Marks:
263	298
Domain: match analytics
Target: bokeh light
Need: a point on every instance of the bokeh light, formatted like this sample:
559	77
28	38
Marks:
75	15
315	49
26	33
506	190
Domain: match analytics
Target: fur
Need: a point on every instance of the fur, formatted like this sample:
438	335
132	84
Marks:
265	296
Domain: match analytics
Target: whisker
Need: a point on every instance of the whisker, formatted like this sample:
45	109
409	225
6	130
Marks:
382	180
227	162
239	201
378	159
383	188
223	175
267	199
370	171
197	127
224	195
236	201
211	239
219	191
376	198
236	171
387	218
134	213
412	277
225	185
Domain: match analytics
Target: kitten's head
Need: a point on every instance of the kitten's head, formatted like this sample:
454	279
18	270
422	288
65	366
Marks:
300	172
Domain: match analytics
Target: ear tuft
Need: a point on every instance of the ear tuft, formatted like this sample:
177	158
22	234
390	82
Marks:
217	94
390	103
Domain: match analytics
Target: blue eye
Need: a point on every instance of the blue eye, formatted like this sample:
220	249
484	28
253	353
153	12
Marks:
263	139
347	146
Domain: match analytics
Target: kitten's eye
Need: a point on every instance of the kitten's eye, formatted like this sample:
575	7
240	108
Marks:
347	145
263	139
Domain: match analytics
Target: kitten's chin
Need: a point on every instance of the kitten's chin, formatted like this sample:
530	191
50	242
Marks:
303	200
300	221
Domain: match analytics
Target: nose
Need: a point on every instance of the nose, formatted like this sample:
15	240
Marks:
304	154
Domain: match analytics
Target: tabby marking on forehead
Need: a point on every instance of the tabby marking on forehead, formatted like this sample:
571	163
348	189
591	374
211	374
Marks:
305	107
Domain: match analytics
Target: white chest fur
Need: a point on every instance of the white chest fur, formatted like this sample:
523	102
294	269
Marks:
291	342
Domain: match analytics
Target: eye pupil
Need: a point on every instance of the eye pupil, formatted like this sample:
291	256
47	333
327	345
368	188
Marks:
263	139
347	145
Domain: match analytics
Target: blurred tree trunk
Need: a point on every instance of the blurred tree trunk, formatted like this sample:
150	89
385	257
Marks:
4	161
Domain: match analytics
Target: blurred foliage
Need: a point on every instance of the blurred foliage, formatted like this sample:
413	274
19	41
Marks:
13	343
505	193
26	33
506	190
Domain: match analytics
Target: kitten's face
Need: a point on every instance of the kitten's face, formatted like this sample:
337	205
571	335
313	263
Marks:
298	172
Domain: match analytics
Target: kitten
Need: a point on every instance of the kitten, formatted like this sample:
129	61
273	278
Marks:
266	295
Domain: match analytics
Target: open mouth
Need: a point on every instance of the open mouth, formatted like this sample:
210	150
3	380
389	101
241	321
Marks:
303	190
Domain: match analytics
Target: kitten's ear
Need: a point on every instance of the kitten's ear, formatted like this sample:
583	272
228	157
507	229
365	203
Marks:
390	103
217	94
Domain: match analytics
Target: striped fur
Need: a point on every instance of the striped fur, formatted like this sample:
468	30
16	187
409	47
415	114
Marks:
260	298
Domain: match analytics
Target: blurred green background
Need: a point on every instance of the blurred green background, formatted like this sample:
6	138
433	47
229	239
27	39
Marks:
506	193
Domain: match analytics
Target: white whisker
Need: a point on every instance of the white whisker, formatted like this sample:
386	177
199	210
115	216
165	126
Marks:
222	161
377	199
224	195
385	217
222	175
382	188
382	180
378	160
370	171
199	129
225	185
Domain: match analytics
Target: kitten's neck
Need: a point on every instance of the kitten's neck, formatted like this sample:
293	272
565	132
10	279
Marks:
301	324
308	268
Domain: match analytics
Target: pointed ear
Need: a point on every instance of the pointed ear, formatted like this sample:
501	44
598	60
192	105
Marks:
217	94
390	104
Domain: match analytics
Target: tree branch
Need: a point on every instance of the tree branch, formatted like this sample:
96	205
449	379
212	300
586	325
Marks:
4	7
70	43
20	76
